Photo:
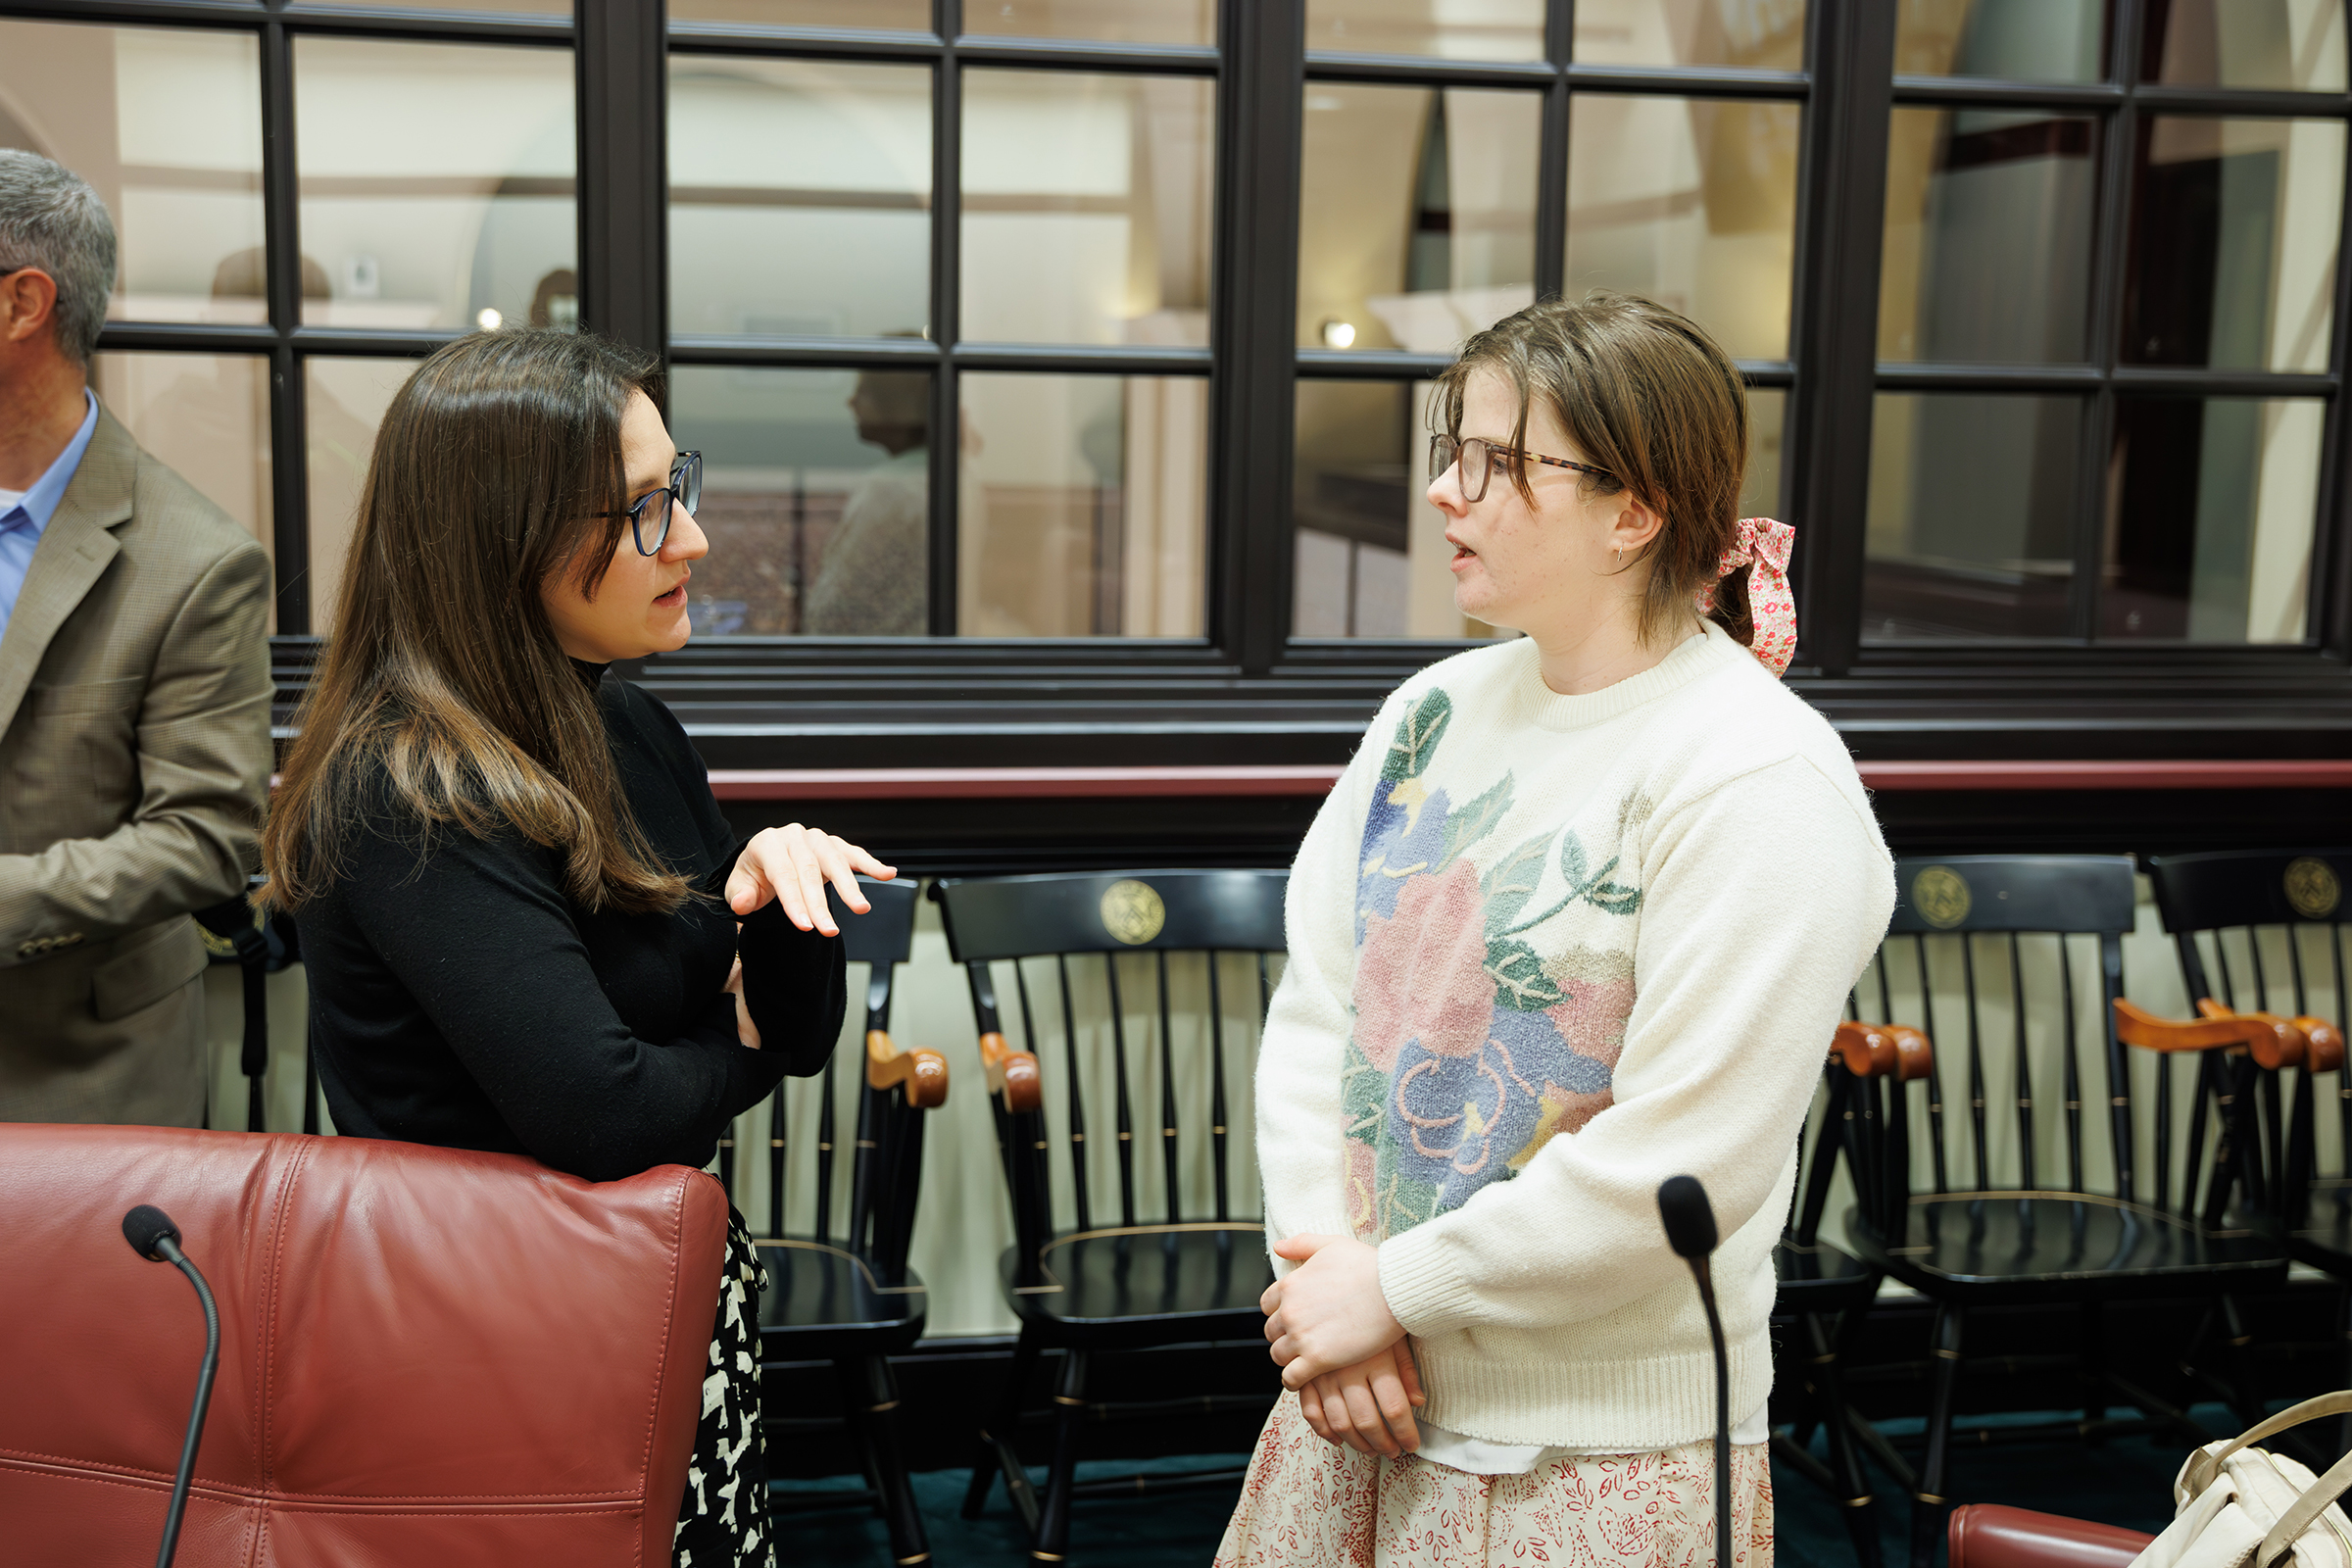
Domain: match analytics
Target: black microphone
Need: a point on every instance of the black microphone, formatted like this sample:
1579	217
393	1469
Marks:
152	1235
1690	1221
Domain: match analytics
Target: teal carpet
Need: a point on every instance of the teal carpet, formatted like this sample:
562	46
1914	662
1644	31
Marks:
2126	1481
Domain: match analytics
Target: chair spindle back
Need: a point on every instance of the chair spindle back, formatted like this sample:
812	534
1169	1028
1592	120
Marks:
2006	930
896	1088
2241	903
1086	922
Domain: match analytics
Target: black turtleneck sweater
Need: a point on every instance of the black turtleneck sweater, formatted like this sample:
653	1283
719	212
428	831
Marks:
459	998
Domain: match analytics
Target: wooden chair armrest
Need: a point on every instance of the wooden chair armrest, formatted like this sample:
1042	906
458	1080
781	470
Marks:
2275	1042
1012	1073
2324	1041
1883	1051
924	1073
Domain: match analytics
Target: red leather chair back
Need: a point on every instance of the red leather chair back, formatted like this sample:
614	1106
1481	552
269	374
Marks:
1988	1535
427	1356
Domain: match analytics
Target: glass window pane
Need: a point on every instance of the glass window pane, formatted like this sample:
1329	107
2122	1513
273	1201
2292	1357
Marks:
1082	509
903	16
167	127
1369	550
207	418
1763	34
1450	29
2023	40
1086	207
436	184
1987	245
799	198
1760	488
1416	215
2233	235
1972	507
2246	43
344	403
815	498
1690	201
1102	20
2209	518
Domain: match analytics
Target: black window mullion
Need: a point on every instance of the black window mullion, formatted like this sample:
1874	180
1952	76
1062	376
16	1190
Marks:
621	67
1834	332
947	282
2329	618
1253	387
2109	257
1552	158
281	239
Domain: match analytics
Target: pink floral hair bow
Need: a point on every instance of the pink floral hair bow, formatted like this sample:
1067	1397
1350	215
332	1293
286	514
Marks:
1762	544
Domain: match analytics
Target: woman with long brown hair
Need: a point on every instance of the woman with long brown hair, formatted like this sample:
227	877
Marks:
517	896
1580	915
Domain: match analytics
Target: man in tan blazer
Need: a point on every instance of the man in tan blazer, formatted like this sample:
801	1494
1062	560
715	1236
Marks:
134	702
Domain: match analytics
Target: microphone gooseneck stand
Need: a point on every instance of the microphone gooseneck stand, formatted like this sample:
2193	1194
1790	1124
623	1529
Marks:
154	1237
1690	1221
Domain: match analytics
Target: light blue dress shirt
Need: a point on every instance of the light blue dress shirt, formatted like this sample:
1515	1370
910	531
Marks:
21	525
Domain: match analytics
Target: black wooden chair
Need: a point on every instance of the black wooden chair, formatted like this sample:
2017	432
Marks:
1822	1290
1091	1285
2268	920
1968	1240
848	1296
238	931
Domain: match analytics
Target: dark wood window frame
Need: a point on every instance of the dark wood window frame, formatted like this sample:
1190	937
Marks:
1246	692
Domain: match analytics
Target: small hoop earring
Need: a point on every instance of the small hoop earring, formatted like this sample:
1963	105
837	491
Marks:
1619	561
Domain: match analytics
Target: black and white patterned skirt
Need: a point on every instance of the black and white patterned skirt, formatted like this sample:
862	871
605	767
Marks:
723	1519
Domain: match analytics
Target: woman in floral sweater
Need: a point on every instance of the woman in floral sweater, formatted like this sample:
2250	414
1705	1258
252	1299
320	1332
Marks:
1580	915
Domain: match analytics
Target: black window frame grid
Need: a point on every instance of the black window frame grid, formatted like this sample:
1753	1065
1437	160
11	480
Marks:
1246	691
2115	105
284	341
942	353
1560	79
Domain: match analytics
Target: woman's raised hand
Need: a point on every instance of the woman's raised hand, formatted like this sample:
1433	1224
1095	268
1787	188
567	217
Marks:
1368	1406
792	866
1328	1313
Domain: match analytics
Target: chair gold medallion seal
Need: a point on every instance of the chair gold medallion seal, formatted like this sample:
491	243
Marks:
2313	888
1133	912
1940	896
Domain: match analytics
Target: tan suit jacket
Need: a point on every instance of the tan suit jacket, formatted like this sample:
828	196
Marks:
134	767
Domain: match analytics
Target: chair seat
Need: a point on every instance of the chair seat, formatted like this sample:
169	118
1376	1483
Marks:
1819	1278
1146	1285
823	1300
1994	1247
2325	1237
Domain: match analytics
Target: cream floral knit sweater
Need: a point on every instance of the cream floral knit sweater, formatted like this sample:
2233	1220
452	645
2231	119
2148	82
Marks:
1547	951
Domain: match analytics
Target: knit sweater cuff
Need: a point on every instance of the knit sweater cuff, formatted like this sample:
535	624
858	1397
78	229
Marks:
1306	1221
1426	1293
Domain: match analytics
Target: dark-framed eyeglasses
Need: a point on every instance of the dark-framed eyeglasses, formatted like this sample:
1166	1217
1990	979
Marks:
649	513
1480	458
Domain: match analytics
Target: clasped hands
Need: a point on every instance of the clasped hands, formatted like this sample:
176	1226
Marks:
1341	1347
792	866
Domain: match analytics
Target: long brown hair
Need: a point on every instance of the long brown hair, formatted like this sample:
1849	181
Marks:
443	678
1648	395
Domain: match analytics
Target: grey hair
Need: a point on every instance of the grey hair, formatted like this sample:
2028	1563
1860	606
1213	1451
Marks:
51	218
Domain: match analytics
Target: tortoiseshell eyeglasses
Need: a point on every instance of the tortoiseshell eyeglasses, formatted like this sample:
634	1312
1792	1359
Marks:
1480	458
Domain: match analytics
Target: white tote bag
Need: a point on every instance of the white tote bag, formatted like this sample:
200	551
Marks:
2240	1506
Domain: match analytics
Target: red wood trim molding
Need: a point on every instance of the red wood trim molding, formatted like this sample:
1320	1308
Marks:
1014	783
2231	775
1316	779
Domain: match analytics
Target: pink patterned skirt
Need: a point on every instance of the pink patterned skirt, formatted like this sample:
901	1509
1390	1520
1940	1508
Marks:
1311	1502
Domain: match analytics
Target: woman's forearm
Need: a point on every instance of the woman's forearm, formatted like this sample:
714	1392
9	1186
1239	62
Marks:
796	987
